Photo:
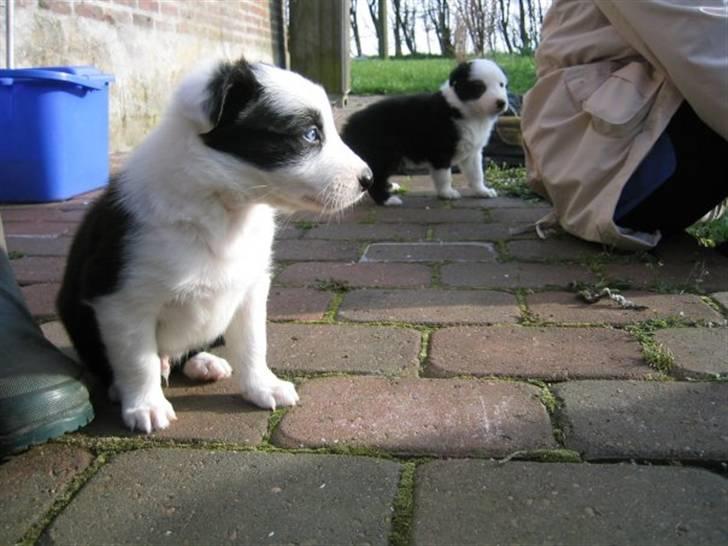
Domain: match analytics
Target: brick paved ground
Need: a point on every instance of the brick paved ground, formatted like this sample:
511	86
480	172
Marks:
451	393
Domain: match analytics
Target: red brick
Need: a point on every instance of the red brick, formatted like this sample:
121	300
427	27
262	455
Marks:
297	304
149	5
698	352
421	216
430	251
356	274
39	214
553	354
287	250
445	417
48	229
89	11
513	275
343	349
57	6
478	232
563	248
31	270
39	246
41	299
368	232
570	308
430	306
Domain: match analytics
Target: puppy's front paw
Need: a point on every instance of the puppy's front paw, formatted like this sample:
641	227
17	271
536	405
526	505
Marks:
148	413
485	191
266	391
207	367
449	193
393	201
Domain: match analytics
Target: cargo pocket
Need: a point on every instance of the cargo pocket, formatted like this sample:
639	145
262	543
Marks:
620	104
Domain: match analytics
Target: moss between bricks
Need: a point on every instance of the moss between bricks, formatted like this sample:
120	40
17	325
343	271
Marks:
403	506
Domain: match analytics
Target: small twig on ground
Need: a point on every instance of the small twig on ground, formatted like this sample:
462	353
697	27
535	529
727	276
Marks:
591	296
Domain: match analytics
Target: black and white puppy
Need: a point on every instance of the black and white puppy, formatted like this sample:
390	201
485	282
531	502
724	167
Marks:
449	127
177	251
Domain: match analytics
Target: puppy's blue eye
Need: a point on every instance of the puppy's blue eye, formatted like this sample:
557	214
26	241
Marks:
312	135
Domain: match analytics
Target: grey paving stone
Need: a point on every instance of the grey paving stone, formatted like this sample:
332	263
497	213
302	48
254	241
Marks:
39	213
35	269
722	298
368	232
417	416
315	250
177	496
652	420
698	352
297	303
567	307
402	215
430	252
536	353
31	482
39	246
499	203
41	299
205	411
35	229
351	349
513	215
696	276
430	306
513	275
477	232
480	502
562	249
374	275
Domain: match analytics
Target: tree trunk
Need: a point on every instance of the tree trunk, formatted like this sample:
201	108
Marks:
355	27
504	13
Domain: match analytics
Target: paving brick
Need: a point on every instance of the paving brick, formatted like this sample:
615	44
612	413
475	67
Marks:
38	214
698	352
421	216
512	215
569	308
302	251
481	502
289	232
41	299
478	232
682	247
449	417
205	411
350	349
722	298
500	202
563	249
368	232
34	269
384	275
39	246
536	353
429	252
696	276
297	303
189	496
430	306
652	420
31	482
35	229
360	213
513	275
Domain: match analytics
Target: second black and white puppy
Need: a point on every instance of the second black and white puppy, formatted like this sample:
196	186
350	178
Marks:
449	127
177	251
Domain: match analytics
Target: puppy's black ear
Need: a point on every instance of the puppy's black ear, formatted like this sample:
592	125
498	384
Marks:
465	88
231	88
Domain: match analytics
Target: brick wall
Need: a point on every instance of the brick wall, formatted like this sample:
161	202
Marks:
146	44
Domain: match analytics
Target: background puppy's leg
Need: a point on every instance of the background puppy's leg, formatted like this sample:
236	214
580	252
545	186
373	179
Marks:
443	183
472	168
245	339
206	367
130	340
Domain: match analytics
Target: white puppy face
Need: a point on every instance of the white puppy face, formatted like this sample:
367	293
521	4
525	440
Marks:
273	133
478	88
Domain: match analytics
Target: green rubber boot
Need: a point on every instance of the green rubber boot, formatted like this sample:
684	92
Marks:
42	394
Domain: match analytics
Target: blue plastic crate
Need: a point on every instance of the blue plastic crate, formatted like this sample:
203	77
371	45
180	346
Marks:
54	132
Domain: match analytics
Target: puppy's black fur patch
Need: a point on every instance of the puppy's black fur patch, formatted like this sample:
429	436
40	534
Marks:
93	270
250	127
465	88
420	128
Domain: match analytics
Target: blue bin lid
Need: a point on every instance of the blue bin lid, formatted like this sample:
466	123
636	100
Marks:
83	75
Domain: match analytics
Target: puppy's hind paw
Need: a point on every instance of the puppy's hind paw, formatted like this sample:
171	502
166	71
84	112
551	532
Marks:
449	193
268	392
485	191
207	367
148	415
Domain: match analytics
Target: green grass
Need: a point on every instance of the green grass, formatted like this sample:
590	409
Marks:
713	233
402	75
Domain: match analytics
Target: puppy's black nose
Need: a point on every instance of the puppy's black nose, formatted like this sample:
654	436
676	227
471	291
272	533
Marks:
500	104
366	178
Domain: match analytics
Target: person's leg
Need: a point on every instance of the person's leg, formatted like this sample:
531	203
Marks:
698	184
41	392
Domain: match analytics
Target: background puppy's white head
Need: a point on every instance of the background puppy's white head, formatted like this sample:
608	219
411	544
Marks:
478	88
275	128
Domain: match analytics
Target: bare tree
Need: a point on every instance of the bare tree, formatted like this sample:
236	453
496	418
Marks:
377	8
355	26
405	18
397	16
505	15
438	12
475	15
